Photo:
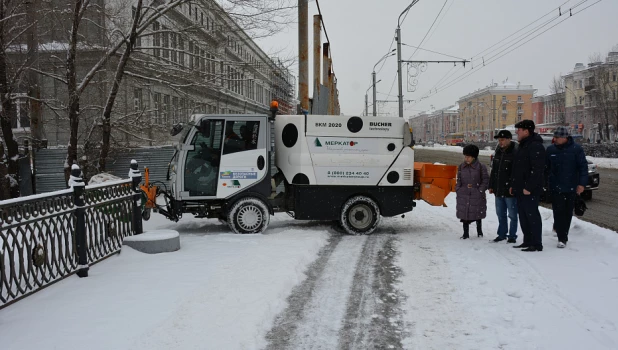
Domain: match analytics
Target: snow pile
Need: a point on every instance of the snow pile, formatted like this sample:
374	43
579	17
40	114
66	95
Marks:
102	177
606	163
454	149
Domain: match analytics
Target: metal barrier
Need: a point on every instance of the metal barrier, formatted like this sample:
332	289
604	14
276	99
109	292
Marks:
45	238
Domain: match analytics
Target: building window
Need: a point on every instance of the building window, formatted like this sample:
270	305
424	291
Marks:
615	77
19	115
196	57
174	51
175	110
138	99
156	39
181	50
503	99
202	18
166	109
157	105
166	42
190	54
221	70
202	61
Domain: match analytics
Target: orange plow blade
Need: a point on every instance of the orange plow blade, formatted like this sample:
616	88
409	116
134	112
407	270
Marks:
434	182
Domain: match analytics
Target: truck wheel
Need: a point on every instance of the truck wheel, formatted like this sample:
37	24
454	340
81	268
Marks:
360	215
587	195
248	215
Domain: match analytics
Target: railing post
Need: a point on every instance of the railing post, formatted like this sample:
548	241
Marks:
78	185
136	178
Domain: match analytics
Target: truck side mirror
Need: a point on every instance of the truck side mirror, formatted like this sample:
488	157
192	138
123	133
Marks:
176	129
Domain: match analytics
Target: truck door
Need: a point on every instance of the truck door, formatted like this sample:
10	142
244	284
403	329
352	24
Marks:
244	159
202	161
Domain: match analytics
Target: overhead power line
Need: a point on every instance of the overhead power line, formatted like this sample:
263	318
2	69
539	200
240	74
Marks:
512	45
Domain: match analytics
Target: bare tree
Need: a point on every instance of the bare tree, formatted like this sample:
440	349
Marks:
13	24
263	17
557	101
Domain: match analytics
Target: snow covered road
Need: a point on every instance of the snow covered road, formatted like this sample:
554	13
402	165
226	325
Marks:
302	285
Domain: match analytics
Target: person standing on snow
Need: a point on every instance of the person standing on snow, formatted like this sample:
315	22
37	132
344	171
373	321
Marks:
472	182
527	184
567	169
499	184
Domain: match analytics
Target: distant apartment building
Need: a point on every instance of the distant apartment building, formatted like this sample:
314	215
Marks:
484	111
548	112
591	99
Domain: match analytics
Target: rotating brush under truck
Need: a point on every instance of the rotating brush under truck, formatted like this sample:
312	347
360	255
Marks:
350	169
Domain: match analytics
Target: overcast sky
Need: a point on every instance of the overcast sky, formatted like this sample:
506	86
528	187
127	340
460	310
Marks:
361	31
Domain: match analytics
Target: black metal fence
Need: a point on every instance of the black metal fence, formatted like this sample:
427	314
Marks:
45	238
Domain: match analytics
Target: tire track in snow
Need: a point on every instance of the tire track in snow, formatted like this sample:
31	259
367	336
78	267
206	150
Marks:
316	307
374	319
348	301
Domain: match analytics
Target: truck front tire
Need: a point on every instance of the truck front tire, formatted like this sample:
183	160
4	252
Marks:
248	215
360	215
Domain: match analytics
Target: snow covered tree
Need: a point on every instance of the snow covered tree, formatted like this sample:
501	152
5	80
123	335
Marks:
13	25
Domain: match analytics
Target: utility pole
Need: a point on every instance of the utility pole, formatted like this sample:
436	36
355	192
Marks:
373	78
317	47
399	73
303	54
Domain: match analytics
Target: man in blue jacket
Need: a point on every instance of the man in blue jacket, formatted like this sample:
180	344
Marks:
527	184
567	168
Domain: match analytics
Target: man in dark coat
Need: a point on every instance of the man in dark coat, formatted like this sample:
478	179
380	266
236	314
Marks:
527	184
472	182
499	184
567	169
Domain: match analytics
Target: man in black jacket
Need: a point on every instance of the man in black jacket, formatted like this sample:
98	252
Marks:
527	184
499	184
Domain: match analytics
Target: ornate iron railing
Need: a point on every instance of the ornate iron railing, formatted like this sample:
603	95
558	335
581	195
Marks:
40	235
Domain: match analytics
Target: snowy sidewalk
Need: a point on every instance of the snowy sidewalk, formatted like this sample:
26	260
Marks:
220	291
479	295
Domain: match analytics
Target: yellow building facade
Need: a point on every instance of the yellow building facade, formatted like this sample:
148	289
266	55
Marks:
495	107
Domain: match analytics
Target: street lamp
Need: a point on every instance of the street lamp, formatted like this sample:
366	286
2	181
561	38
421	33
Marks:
374	97
399	74
373	77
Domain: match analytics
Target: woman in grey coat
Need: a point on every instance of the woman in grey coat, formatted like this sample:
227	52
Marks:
472	182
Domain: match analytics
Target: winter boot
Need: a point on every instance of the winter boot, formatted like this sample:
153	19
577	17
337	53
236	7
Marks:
479	228
466	227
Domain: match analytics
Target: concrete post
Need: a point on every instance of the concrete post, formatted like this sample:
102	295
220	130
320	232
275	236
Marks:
317	56
136	179
303	54
77	183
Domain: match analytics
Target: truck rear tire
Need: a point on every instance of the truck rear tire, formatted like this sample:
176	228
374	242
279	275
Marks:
248	215
360	215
